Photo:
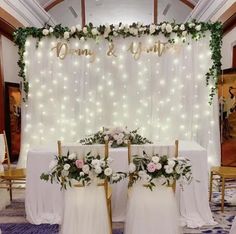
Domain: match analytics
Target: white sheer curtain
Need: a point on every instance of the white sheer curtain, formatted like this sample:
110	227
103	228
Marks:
166	97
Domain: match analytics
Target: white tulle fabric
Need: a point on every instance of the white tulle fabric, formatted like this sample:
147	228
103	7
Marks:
233	227
2	152
85	208
152	212
166	97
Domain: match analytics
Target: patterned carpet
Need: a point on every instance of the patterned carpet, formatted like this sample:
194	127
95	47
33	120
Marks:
16	209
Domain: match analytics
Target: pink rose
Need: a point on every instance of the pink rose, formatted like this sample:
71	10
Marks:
151	167
79	163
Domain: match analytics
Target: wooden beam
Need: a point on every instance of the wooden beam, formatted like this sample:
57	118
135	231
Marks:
228	13
188	3
52	4
83	11
155	13
229	24
2	105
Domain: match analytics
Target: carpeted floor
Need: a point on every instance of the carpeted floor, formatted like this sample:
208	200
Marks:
16	211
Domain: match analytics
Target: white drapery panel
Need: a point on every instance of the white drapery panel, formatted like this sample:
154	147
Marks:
166	97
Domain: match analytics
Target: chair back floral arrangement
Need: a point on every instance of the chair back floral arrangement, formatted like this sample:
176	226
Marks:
69	170
117	137
159	170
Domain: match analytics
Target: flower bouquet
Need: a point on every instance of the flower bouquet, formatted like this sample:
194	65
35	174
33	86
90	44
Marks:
159	170
69	170
117	137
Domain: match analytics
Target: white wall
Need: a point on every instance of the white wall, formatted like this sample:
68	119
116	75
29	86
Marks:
229	40
10	57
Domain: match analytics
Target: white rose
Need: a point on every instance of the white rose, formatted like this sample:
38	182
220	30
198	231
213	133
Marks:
85	169
184	33
121	135
82	39
94	31
182	27
66	35
72	156
115	177
78	26
163	27
45	32
52	165
108	171
198	27
64	173
95	163
176	27
51	30
72	29
81	173
171	163
102	163
119	141
159	166
66	167
152	28
115	137
168	169
98	170
142	174
155	159
168	28
85	30
132	167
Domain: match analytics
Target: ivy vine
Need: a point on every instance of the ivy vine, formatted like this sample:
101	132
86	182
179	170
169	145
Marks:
195	30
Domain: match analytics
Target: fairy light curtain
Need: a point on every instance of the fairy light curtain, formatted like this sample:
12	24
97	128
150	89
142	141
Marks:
164	95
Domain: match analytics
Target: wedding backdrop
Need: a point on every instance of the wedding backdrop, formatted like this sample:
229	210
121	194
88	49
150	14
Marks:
152	78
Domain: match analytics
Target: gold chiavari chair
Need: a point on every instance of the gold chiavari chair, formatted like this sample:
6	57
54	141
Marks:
176	153
11	176
105	184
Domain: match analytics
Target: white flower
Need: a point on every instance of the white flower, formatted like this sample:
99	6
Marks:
98	170
159	166
72	156
184	33
73	29
64	173
115	34
85	30
106	138
45	32
135	31
78	26
163	27
182	27
85	169
115	137
121	26
52	164
102	163
81	173
142	174
139	24
198	27
155	159
176	27
51	30
132	167
119	141
66	35
171	163
121	135
95	31
108	171
178	169
115	177
66	167
82	39
168	169
169	28
96	163
152	28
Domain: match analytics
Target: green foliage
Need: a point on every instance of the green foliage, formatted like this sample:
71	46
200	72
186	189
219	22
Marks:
196	30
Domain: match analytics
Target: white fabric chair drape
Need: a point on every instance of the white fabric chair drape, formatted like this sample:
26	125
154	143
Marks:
152	212
85	208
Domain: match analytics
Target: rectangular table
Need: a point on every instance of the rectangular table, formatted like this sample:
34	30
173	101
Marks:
44	200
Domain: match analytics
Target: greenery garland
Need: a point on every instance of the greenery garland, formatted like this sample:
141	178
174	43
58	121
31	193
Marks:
194	29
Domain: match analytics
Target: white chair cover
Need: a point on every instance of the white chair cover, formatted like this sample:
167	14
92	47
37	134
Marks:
2	152
152	212
85	208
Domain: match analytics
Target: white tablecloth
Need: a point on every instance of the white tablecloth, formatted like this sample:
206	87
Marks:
44	200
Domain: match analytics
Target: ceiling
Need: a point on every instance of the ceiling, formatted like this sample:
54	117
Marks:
68	12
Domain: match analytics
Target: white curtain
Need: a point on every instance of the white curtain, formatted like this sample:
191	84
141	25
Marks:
165	96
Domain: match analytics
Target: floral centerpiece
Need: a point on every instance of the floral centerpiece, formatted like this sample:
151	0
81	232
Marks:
117	137
69	170
159	170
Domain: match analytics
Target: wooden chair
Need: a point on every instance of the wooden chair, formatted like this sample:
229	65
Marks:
107	188
11	176
224	174
176	153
